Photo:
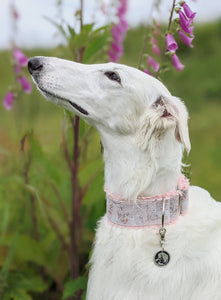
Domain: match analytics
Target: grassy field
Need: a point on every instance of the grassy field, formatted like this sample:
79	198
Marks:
199	85
22	259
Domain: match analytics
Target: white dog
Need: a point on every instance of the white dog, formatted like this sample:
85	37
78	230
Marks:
155	242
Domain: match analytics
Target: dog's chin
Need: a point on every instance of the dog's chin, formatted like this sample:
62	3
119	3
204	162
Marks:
59	100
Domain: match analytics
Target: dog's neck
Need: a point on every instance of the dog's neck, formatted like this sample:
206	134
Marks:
131	171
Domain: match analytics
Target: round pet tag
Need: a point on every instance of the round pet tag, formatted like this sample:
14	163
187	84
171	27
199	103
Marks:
162	258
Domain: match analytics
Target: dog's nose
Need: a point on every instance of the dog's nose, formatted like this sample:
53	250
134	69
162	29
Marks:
35	65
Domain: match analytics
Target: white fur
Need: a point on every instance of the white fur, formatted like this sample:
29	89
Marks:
144	131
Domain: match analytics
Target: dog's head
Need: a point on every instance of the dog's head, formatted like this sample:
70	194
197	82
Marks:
113	98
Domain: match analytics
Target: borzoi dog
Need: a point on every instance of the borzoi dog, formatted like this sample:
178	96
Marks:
160	239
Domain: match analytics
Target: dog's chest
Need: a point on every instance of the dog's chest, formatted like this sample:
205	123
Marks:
123	266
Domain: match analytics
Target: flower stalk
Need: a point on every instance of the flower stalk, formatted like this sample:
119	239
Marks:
20	62
170	46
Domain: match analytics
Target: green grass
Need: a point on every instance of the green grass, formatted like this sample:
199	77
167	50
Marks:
199	85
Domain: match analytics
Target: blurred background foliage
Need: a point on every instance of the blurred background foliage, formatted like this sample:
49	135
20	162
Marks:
36	267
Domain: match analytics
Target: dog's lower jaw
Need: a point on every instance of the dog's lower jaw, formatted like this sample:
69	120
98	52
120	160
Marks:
131	172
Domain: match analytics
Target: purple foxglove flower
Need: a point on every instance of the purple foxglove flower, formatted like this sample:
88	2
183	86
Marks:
124	26
118	48
188	11
151	62
171	43
185	39
118	33
153	41
27	87
8	100
123	8
147	72
21	59
176	63
156	49
113	56
185	24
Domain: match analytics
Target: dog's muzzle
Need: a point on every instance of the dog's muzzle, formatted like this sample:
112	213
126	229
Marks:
35	66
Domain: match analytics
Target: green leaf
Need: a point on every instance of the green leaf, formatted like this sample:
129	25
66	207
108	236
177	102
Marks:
82	39
34	284
102	28
4	221
16	294
38	155
27	249
71	31
95	46
87	28
84	127
10	255
35	192
73	286
19	284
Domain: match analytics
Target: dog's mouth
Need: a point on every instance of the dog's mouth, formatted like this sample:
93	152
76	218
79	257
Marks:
74	105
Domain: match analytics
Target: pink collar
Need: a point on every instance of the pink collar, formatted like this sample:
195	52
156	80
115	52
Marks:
147	211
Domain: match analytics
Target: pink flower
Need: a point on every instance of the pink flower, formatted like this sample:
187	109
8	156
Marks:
185	39
27	87
118	33
21	59
15	14
156	49
188	11
146	71
176	63
118	48
151	62
153	41
185	23
123	8
8	100
113	56
171	43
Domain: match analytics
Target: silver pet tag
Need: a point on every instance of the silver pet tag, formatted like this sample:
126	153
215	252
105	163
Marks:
162	257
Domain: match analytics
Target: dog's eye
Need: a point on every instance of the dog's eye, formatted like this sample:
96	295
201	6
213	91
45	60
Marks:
113	76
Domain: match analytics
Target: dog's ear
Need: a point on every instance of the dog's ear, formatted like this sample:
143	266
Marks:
182	116
164	113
